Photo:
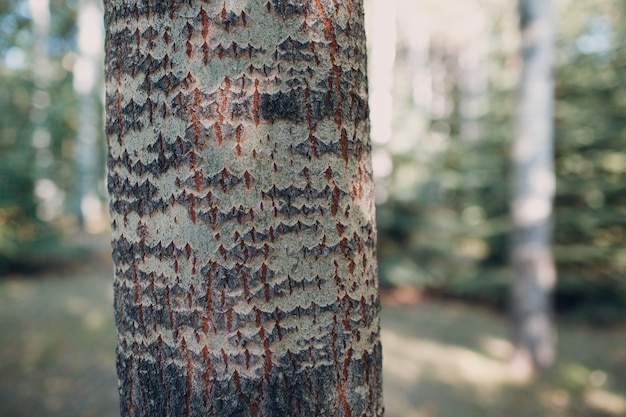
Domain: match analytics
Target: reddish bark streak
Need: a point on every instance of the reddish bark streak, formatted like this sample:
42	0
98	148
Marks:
192	209
218	127
340	228
346	324
335	201
346	364
196	122
198	180
344	145
268	353
135	279
209	307
206	375
238	135
225	358
205	23
138	50
188	378
120	120
169	304
205	53
246	290
189	49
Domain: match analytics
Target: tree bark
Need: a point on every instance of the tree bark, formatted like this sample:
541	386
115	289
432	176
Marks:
533	193
242	209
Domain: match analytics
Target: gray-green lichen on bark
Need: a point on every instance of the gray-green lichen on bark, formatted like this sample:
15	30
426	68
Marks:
242	210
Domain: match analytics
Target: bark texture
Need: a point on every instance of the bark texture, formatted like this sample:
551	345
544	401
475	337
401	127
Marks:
533	193
242	210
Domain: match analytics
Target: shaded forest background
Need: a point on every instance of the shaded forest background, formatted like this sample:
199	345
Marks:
444	79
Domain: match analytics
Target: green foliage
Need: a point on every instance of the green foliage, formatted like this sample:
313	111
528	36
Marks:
443	219
37	135
590	226
445	229
448	232
20	229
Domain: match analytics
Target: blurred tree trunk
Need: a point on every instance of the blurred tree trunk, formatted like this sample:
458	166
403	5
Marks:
382	38
472	86
86	83
242	209
40	101
532	195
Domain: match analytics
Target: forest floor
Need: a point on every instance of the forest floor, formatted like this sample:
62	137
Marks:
444	359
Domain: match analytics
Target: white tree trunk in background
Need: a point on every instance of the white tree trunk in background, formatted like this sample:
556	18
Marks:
473	85
382	39
41	139
86	81
532	194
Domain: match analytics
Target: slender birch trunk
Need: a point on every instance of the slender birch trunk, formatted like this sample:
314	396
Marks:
472	88
39	115
86	81
242	209
533	192
382	37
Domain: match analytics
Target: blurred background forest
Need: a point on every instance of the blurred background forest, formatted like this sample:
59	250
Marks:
444	81
444	78
443	168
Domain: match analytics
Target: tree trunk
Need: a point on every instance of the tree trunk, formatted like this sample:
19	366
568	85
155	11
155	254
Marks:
40	105
242	209
472	86
382	37
86	82
533	191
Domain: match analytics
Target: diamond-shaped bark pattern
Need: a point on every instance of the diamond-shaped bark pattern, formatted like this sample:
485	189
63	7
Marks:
223	180
242	217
